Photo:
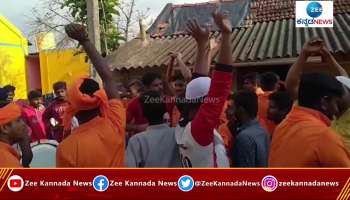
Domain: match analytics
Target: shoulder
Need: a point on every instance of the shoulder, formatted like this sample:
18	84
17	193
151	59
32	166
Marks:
69	142
138	137
134	103
116	103
327	134
135	100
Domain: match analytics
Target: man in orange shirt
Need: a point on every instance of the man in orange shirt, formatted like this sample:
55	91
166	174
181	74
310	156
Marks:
227	129
99	141
12	130
304	138
269	84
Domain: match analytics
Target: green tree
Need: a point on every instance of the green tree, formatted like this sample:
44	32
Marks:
110	37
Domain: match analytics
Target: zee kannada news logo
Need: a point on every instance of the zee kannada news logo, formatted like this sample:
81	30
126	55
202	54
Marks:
314	13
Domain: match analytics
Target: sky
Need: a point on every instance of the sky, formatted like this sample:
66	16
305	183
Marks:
17	11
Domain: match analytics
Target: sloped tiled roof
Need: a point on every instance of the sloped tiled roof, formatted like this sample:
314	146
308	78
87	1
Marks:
273	10
280	39
173	18
268	33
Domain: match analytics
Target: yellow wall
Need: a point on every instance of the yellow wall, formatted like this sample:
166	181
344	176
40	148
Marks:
13	48
61	65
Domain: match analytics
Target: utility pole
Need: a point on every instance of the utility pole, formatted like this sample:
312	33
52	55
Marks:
94	29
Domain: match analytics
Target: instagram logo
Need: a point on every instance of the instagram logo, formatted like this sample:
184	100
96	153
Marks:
269	183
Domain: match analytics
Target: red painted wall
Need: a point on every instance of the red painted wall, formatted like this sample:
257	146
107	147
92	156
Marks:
33	72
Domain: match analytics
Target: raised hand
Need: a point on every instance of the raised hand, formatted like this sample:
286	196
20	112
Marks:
313	47
175	55
77	32
326	54
222	22
199	33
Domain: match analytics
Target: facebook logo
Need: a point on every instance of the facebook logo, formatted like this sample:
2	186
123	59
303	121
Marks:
100	183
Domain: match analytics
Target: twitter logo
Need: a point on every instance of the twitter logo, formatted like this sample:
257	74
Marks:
185	183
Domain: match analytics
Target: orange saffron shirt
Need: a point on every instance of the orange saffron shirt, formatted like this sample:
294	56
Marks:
9	158
223	118
226	135
263	100
304	139
97	143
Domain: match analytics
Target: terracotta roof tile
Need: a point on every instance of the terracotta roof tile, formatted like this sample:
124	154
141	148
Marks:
268	33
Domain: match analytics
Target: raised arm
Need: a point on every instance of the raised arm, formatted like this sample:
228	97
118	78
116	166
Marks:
170	69
312	47
201	35
27	154
328	58
79	33
185	71
168	89
207	118
224	24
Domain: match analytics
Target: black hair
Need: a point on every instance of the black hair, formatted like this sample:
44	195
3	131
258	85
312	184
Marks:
10	88
137	83
153	107
149	77
282	87
252	77
89	87
3	97
177	76
59	85
34	94
268	81
230	97
247	100
314	86
282	100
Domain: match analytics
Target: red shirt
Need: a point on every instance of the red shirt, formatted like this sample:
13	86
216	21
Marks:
35	123
134	112
56	111
135	115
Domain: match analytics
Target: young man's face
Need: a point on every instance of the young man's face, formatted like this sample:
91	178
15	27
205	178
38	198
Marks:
249	85
10	96
230	113
274	113
179	86
134	91
157	85
330	106
35	102
61	94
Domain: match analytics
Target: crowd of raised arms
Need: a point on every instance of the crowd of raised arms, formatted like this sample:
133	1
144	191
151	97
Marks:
186	118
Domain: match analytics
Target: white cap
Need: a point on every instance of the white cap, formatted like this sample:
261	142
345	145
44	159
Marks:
198	88
344	80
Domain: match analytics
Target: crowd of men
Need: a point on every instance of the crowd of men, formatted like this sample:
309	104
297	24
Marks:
188	118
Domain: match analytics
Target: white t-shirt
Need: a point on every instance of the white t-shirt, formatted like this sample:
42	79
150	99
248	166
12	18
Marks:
196	155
